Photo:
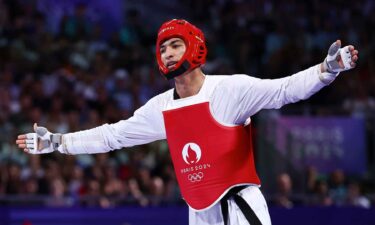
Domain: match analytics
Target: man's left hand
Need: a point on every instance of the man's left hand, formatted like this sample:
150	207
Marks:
339	59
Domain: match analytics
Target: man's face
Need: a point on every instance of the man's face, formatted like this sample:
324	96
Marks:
172	51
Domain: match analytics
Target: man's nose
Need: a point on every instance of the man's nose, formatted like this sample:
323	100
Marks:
168	53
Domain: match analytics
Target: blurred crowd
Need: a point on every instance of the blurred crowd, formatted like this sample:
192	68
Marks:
74	76
323	190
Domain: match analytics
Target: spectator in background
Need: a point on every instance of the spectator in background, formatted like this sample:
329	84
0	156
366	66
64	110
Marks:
57	194
311	177
355	198
137	193
320	196
30	187
361	104
93	197
13	179
284	190
33	169
337	187
75	182
78	26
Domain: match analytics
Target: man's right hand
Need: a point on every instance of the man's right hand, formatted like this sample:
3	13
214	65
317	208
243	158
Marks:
40	142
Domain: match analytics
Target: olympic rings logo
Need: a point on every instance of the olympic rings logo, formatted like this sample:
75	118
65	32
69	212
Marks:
195	177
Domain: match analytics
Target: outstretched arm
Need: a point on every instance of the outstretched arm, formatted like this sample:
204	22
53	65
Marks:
253	94
145	126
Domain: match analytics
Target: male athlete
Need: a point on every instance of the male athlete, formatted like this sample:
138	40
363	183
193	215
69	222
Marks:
205	120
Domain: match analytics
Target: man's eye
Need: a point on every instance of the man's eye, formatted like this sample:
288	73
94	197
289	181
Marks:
162	50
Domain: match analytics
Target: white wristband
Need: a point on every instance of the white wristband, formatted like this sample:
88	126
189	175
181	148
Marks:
327	77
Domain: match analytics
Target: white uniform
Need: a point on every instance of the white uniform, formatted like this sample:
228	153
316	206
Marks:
233	99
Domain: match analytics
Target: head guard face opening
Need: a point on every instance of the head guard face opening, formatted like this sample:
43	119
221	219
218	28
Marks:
194	40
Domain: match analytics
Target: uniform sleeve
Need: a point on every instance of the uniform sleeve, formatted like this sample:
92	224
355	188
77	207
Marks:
241	96
146	125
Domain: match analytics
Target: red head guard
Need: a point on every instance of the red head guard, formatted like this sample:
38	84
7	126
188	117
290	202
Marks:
196	50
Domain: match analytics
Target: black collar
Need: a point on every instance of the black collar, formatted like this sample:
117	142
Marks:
175	95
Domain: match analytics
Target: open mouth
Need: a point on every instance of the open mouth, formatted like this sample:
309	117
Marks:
171	64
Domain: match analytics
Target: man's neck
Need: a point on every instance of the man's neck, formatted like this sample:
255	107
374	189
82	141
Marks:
189	84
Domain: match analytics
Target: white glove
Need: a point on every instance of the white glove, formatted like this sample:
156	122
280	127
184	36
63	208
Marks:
337	60
42	141
335	53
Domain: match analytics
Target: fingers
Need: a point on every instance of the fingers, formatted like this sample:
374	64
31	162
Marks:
354	54
21	145
25	144
21	137
352	50
18	141
354	58
338	42
21	141
25	136
26	141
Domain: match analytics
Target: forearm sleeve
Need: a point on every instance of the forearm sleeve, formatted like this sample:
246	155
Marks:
145	126
90	141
